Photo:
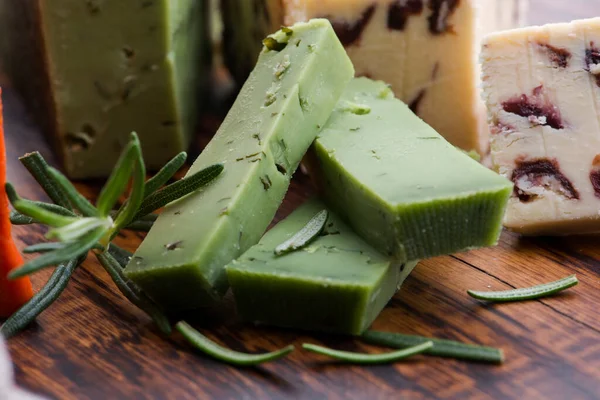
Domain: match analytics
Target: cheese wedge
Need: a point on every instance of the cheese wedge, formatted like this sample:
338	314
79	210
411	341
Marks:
94	71
542	90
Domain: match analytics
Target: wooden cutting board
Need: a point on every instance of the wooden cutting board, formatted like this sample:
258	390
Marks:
93	344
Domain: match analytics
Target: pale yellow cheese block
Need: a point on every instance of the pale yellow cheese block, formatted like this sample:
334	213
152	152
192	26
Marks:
543	100
428	55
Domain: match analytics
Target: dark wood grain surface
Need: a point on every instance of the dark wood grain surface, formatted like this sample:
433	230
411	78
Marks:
93	344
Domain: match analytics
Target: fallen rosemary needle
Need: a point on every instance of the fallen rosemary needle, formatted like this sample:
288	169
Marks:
307	234
360	358
209	347
534	292
440	348
78	226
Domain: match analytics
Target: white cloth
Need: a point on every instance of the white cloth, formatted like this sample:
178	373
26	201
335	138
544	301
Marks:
8	388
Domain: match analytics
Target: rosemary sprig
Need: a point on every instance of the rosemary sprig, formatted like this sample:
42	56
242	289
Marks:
531	293
228	356
366	359
79	226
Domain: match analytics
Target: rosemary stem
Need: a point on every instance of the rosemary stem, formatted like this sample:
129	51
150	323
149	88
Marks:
41	300
132	292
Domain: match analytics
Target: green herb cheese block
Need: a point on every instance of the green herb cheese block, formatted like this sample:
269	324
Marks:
399	184
337	283
287	98
94	71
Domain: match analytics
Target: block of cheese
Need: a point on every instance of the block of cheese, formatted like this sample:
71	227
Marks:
400	185
426	49
94	71
338	283
542	90
277	115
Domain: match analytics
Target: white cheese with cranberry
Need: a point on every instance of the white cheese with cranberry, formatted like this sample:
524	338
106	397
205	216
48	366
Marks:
542	92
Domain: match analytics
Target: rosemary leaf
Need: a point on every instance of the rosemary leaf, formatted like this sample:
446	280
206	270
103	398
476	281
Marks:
534	292
44	247
41	300
133	293
31	209
69	252
16	218
307	234
38	168
179	189
128	212
140	226
79	228
209	347
78	201
441	347
166	173
118	180
367	359
122	256
55	209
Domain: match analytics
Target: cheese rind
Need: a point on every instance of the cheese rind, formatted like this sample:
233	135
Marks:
337	283
287	98
94	71
401	186
403	42
543	100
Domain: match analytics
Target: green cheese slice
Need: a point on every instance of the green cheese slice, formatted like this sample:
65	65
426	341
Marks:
337	283
399	184
277	115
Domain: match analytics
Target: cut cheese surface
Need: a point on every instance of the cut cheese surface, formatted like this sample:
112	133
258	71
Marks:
426	50
542	90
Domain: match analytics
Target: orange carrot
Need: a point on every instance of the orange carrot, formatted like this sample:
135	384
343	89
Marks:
13	293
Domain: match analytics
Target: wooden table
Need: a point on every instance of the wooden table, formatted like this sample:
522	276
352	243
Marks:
93	344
